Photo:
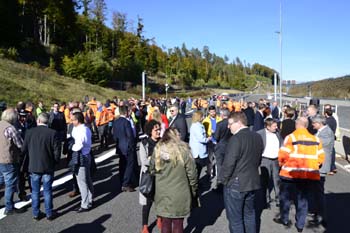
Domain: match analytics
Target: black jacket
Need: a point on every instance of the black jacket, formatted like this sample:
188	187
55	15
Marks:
222	136
250	114
258	121
43	148
242	161
180	124
288	127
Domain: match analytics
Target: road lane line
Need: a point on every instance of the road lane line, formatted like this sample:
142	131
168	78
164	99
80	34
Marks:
56	183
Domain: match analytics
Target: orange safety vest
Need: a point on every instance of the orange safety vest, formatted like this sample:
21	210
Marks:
237	106
230	106
111	110
301	156
204	103
93	105
102	117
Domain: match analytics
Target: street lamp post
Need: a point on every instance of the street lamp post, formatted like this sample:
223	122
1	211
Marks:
280	38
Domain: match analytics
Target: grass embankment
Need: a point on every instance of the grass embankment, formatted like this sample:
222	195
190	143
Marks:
21	82
334	88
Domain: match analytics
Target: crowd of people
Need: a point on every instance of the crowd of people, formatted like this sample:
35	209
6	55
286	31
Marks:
243	149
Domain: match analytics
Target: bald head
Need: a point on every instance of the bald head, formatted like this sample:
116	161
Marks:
301	123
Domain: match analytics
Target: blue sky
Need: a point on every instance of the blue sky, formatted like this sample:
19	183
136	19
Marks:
316	33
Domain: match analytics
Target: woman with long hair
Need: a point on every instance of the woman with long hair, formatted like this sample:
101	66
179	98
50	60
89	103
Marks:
176	180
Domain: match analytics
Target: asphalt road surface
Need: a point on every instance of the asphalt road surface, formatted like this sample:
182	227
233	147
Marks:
119	212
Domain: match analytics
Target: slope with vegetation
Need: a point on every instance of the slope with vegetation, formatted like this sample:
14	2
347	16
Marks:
19	82
71	37
328	88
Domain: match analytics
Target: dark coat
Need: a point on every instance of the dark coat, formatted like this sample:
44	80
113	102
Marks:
249	113
258	121
242	161
222	136
332	123
180	124
43	148
288	127
123	135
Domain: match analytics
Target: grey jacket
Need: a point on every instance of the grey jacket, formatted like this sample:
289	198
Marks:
326	136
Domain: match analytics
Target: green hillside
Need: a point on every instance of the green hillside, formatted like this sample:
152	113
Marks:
333	87
21	82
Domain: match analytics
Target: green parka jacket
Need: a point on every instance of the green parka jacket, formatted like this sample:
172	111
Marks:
175	186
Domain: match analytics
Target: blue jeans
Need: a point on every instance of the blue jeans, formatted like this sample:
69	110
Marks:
47	180
9	174
240	210
298	191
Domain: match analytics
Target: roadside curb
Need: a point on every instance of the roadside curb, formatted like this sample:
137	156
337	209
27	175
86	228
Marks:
342	163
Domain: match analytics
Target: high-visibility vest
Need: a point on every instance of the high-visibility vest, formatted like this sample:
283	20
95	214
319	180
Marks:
93	105
301	156
102	117
230	106
237	106
111	111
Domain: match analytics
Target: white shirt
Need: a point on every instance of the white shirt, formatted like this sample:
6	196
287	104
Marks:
82	139
272	146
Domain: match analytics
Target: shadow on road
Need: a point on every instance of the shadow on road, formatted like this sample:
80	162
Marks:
338	212
212	205
105	178
95	226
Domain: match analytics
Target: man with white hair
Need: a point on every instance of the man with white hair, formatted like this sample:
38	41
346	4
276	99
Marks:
317	201
44	152
10	145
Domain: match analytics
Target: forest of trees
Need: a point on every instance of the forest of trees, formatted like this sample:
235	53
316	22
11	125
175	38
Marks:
72	38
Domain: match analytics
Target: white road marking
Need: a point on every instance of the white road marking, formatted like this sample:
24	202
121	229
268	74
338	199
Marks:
57	183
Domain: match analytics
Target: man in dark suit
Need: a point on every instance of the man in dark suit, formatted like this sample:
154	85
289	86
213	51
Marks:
269	164
222	135
178	121
125	139
249	113
240	174
259	118
44	151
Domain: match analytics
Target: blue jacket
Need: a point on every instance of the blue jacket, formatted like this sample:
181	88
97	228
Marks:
198	141
124	136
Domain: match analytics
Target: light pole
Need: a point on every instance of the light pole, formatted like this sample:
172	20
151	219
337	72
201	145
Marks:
280	38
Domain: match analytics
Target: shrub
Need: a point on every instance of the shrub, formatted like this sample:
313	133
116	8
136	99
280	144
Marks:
89	66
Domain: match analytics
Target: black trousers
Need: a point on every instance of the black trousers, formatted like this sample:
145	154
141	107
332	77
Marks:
126	169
